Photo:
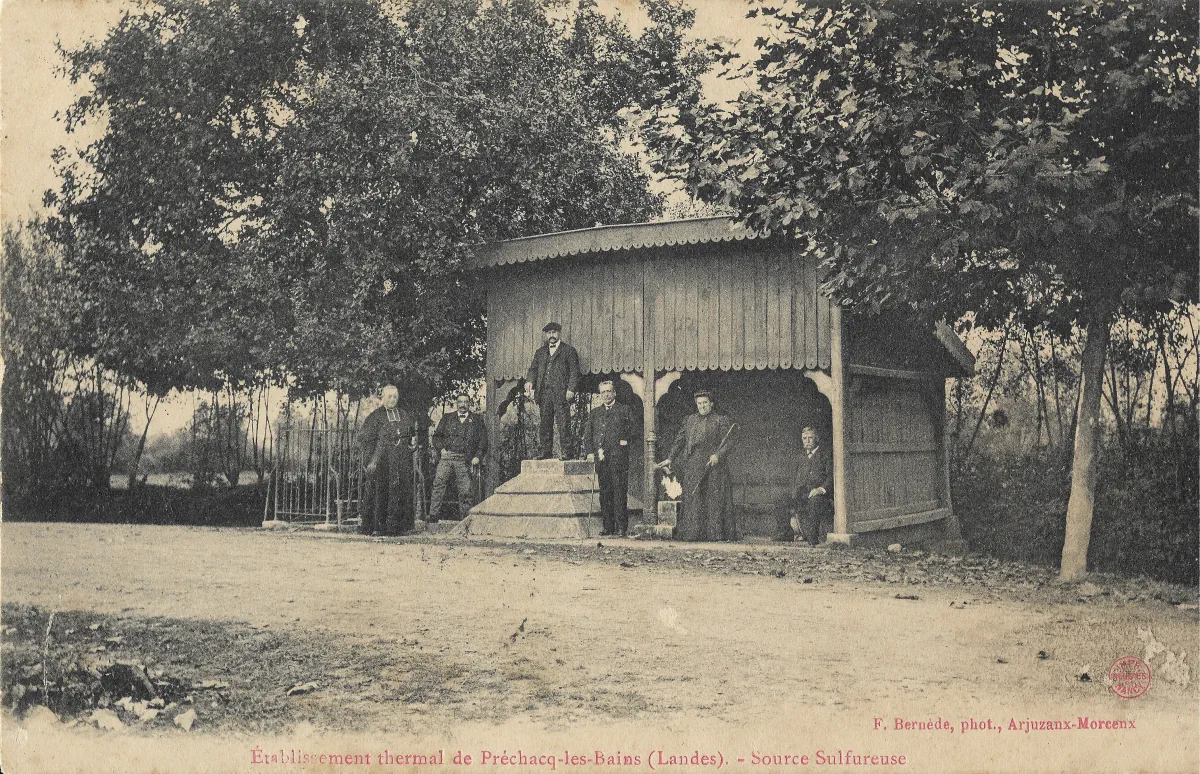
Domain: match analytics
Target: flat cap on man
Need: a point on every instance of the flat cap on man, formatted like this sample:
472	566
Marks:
552	326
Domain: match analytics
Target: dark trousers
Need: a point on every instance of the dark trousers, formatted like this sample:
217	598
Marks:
811	512
389	497
614	492
554	413
451	466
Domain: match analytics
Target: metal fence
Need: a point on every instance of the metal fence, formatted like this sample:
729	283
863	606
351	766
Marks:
318	477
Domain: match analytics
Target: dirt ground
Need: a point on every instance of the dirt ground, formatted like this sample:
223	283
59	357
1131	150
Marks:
627	648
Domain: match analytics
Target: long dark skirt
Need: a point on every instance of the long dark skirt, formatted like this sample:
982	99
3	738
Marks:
707	513
389	498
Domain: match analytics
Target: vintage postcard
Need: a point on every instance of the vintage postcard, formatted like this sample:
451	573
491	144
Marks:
599	386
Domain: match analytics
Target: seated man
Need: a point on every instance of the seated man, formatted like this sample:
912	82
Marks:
812	492
460	438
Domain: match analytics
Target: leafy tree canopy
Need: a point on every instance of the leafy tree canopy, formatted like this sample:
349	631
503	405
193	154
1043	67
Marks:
288	189
1027	157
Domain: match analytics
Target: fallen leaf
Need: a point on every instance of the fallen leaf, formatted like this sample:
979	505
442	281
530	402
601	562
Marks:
106	720
40	716
185	719
302	688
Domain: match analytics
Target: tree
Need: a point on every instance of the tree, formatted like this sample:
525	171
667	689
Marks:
998	159
65	415
35	341
290	190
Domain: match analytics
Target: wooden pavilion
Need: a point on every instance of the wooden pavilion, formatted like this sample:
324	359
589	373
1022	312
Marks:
671	306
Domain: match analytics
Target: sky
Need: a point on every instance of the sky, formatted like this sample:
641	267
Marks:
33	91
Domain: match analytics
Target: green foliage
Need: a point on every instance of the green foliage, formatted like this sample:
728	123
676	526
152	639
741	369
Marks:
289	190
1014	156
35	342
1012	506
64	417
213	507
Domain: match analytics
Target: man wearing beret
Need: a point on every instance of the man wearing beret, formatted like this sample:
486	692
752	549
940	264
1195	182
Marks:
610	431
700	455
553	379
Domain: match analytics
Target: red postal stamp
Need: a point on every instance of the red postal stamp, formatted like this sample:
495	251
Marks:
1129	677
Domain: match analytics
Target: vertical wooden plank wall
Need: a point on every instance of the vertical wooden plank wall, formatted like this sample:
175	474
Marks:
713	307
895	465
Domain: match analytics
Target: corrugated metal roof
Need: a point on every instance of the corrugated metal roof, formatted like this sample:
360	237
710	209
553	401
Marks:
604	239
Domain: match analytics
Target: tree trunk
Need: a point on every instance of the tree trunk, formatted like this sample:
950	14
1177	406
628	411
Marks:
987	400
1086	460
151	409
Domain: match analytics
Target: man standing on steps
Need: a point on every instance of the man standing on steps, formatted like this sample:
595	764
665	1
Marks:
610	431
460	439
552	381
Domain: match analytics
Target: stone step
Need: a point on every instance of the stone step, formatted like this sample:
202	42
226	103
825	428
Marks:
548	499
559	467
529	483
539	504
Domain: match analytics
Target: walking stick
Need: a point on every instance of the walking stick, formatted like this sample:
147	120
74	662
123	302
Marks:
704	476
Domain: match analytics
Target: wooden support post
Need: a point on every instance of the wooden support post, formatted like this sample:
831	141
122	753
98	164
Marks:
491	426
649	437
953	531
837	404
497	392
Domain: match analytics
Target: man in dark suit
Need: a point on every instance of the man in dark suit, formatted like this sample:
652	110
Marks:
608	434
553	379
812	491
460	439
389	439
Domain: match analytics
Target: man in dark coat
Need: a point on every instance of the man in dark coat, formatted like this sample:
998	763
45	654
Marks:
388	438
461	442
812	491
608	434
553	379
699	455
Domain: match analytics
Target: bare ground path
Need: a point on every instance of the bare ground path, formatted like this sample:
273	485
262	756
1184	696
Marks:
649	643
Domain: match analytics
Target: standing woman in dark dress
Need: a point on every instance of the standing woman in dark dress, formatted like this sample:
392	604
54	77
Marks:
699	455
387	439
